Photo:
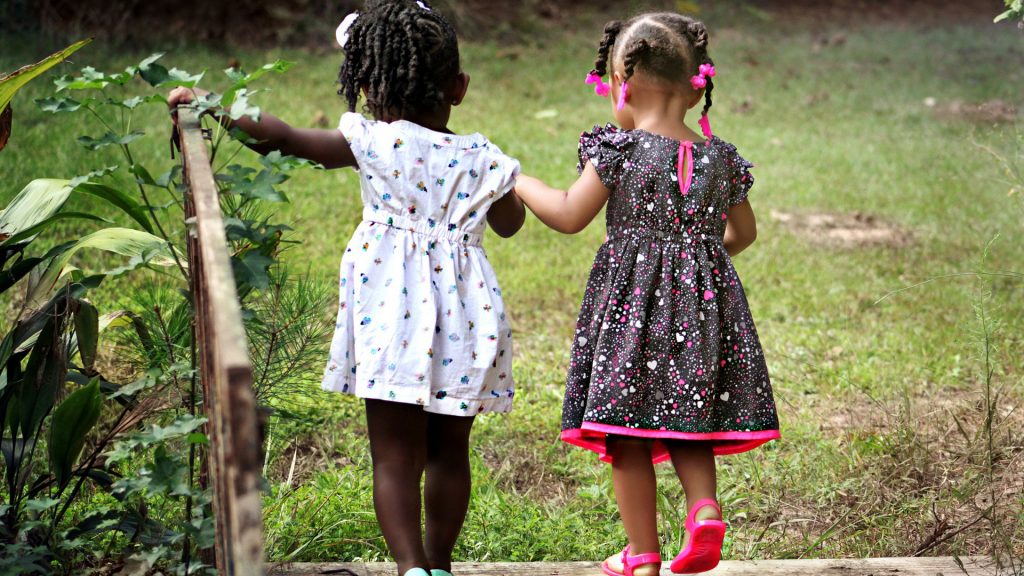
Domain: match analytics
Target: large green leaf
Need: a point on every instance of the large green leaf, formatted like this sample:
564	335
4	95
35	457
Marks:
71	424
43	377
87	332
135	244
119	199
35	203
9	85
31	233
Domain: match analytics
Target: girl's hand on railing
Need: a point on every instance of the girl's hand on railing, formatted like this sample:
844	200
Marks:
182	96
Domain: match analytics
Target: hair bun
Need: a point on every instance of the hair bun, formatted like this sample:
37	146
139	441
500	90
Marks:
700	34
613	27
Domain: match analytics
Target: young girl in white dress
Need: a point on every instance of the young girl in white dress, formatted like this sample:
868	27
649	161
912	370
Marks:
421	332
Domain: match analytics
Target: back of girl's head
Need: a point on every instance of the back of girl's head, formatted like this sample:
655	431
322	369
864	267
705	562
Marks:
663	46
403	55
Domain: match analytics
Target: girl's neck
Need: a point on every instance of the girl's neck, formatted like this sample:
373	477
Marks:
663	112
436	121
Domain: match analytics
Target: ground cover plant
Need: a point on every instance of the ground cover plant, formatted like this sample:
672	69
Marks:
124	483
885	283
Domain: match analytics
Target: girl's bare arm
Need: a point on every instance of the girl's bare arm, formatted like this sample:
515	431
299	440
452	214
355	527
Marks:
740	229
506	216
567	211
326	147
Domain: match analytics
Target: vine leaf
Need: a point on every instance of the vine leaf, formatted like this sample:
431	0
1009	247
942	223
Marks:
72	422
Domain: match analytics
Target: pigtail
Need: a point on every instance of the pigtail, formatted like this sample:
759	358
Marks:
633	55
698	36
611	32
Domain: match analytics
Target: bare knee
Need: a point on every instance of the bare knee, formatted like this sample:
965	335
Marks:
625	447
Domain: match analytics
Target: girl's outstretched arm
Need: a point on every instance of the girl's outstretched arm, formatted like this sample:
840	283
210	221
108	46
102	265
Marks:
567	211
326	147
506	216
740	229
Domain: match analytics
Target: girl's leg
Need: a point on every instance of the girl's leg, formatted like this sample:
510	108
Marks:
447	486
636	494
399	450
695	465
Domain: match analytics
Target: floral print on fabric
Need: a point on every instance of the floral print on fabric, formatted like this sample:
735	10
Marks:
421	318
665	345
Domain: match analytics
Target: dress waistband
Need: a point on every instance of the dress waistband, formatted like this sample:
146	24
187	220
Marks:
422	227
664	236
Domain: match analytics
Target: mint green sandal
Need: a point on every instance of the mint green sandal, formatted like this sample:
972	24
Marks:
437	572
416	572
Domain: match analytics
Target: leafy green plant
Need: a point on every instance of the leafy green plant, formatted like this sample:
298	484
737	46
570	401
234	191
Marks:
52	346
1014	10
11	83
156	469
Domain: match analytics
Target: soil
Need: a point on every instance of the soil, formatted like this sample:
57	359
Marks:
295	22
932	445
843	230
839	13
989	112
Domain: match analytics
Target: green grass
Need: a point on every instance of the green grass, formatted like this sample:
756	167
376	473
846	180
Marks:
866	390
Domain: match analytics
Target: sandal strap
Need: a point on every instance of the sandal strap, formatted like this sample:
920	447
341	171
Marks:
629	561
691	518
641	559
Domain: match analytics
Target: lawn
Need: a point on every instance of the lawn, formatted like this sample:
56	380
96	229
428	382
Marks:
881	396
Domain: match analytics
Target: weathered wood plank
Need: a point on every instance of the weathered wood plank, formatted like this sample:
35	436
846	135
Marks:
943	566
229	402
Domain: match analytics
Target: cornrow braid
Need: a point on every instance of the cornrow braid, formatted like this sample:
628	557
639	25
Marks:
402	56
666	45
634	53
611	32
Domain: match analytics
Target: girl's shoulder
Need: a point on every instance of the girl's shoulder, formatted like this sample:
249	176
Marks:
608	136
734	171
607	148
361	130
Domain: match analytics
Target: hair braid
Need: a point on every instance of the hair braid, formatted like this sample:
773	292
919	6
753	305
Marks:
611	32
402	56
633	56
698	34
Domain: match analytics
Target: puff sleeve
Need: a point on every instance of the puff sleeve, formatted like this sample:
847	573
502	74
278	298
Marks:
607	148
356	130
740	178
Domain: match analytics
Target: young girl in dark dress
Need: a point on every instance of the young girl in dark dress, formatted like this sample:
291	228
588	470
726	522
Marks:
666	363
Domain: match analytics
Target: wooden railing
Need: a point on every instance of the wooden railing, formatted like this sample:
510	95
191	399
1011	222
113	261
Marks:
233	457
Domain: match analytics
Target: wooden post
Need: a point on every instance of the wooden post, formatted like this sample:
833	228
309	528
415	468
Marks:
233	460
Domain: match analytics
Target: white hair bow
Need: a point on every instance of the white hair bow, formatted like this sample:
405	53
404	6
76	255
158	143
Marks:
342	33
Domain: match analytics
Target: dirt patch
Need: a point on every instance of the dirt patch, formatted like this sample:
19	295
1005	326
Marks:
838	13
933	447
843	230
519	471
990	112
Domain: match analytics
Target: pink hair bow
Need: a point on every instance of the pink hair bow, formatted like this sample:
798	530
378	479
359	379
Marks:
701	79
600	88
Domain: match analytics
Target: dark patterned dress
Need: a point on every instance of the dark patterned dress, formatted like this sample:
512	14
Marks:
665	346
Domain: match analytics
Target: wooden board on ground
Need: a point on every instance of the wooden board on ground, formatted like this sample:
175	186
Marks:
868	567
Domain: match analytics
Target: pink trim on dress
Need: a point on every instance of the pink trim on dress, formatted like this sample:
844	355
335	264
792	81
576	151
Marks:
592	436
685	153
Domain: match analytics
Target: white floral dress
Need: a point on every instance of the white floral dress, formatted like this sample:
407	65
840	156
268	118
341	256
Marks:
421	318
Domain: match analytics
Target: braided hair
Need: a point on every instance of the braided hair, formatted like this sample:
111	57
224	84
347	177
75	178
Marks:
403	55
668	46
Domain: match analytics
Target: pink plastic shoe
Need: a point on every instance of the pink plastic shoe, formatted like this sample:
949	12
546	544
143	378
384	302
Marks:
704	549
631	562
